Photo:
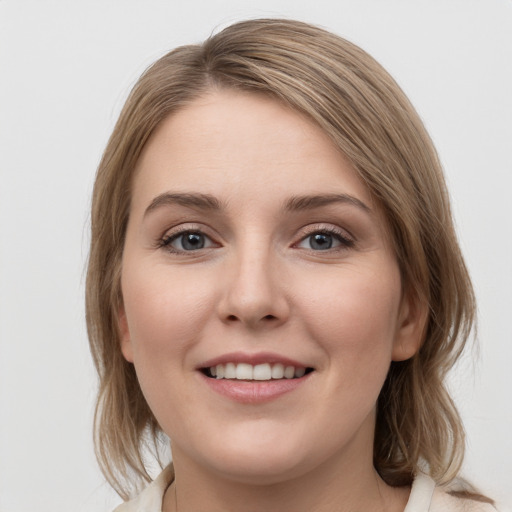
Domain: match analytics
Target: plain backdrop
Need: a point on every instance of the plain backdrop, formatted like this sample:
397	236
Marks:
65	69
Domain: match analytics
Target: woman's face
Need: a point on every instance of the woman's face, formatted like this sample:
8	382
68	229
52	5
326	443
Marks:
254	251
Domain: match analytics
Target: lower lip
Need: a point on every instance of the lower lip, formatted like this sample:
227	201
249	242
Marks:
254	391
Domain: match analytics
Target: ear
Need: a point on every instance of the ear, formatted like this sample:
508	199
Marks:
124	335
411	325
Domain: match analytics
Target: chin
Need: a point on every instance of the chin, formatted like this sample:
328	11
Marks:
265	458
262	468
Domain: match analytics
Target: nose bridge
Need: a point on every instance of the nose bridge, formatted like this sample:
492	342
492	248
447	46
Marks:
253	295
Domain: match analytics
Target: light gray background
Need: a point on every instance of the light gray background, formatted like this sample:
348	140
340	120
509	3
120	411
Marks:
66	67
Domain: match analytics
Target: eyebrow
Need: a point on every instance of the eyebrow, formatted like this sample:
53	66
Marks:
300	203
200	201
208	202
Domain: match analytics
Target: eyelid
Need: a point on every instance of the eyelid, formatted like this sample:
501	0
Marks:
345	237
174	233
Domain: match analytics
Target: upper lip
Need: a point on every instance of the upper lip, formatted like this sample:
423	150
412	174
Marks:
252	359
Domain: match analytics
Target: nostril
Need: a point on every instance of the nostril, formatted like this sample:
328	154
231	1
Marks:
251	320
233	318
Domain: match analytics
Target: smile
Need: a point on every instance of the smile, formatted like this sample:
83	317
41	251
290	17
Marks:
254	378
258	372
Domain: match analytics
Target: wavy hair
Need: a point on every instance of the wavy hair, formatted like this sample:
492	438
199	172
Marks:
360	107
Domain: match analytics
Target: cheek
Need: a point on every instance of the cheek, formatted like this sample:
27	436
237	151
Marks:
353	315
166	315
165	310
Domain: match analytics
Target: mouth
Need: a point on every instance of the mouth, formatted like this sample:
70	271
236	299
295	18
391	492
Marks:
258	372
254	378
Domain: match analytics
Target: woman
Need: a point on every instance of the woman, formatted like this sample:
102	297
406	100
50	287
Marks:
275	284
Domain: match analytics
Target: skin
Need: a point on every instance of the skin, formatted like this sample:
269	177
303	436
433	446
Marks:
257	286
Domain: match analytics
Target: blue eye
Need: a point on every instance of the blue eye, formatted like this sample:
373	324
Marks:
320	241
187	241
191	241
325	240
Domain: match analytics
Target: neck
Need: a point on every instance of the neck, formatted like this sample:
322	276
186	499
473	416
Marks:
350	486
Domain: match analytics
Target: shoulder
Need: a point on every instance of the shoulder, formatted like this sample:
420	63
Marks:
150	499
427	497
442	501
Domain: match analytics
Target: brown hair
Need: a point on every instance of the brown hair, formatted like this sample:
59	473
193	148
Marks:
356	102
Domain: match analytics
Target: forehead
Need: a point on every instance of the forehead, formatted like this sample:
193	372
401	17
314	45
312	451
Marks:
228	143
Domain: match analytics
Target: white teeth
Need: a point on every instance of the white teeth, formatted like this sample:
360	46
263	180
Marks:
289	372
230	371
243	371
220	371
265	371
299	372
278	371
262	372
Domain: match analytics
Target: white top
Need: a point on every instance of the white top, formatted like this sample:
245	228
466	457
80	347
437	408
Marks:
424	497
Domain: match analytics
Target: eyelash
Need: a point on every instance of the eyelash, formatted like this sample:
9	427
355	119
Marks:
346	241
166	241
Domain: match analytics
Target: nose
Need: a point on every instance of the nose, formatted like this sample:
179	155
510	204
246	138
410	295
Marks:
254	292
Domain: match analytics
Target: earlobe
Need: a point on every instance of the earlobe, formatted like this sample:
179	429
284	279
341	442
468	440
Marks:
411	327
124	335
